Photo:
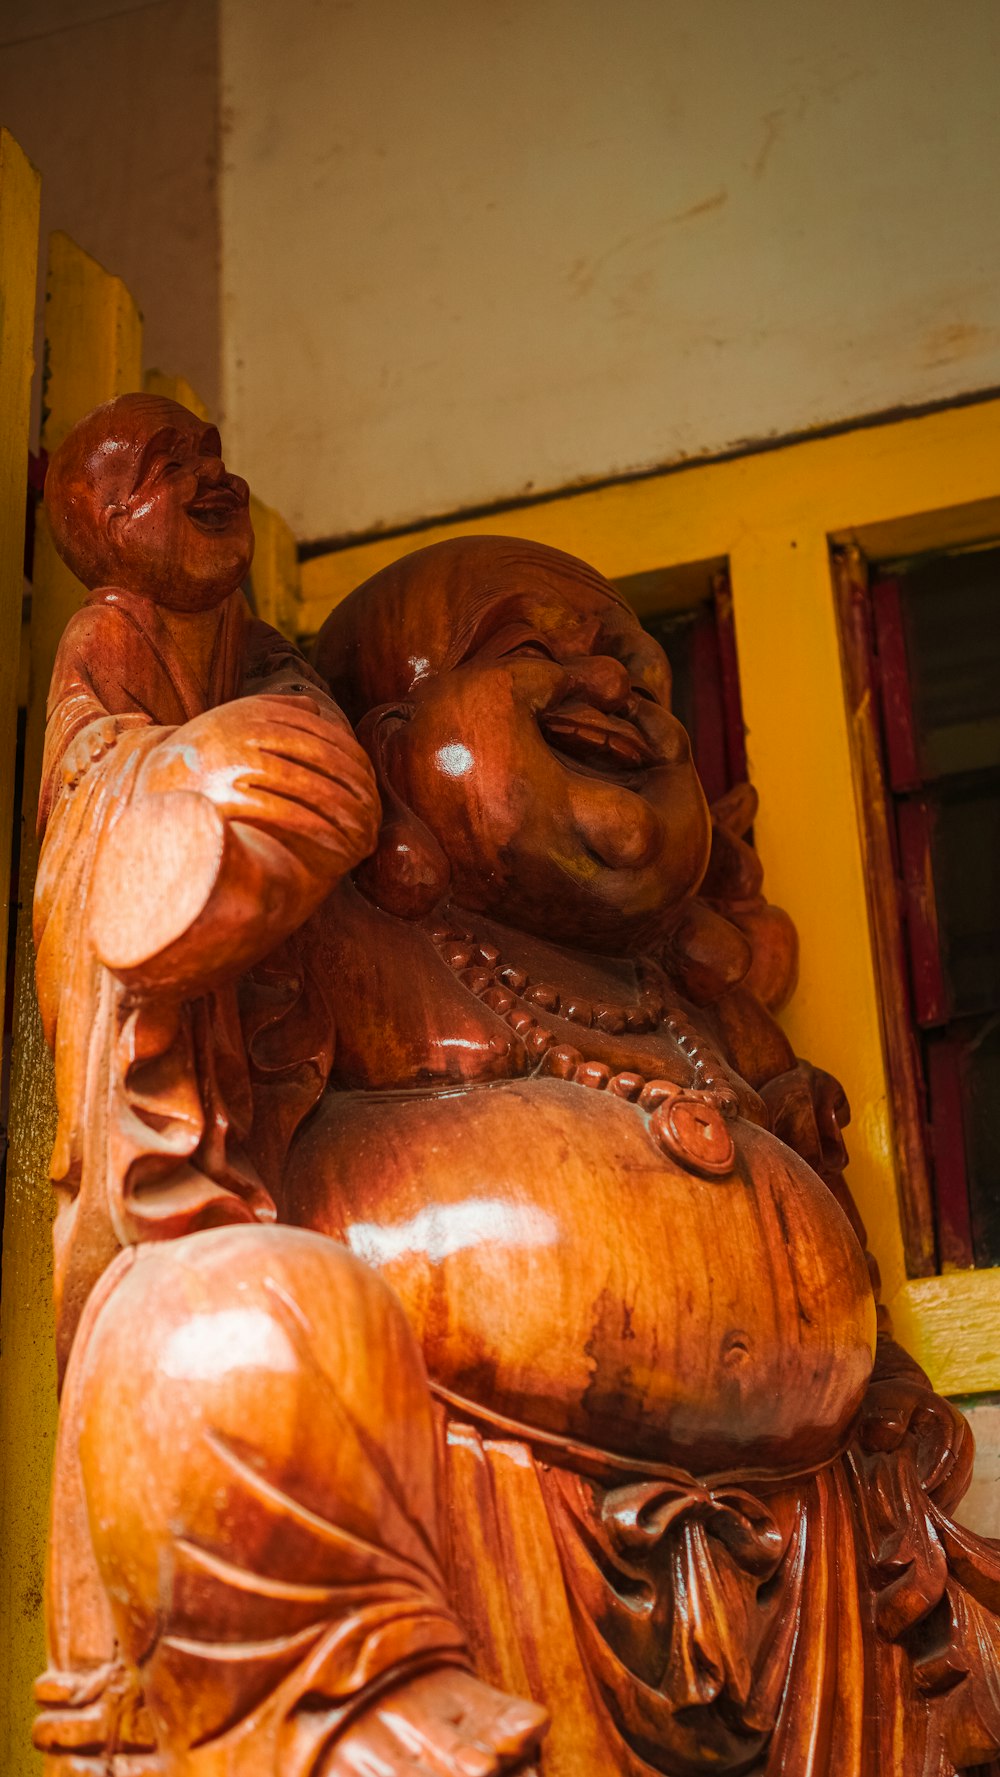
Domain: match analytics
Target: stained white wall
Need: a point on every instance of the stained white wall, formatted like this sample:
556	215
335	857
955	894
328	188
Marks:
980	1509
475	247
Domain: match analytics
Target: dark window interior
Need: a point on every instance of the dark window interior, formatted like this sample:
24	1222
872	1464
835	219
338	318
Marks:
698	639
937	637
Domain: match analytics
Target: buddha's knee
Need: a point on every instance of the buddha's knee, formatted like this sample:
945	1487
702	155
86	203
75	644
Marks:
254	1395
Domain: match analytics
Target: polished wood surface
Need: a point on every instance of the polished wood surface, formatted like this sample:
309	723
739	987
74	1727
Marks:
555	1426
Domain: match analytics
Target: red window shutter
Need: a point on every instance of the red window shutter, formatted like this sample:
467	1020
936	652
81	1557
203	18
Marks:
895	687
947	1140
914	820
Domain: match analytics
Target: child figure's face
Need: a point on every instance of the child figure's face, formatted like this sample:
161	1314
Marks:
145	501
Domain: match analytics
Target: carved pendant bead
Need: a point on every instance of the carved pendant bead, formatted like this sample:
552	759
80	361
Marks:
692	1130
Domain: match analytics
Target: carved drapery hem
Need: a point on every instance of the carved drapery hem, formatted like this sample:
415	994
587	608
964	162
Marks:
758	1673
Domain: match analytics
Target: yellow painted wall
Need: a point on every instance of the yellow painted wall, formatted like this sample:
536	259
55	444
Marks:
19	198
19	202
93	351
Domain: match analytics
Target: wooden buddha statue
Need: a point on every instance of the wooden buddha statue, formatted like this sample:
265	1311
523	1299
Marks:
472	1360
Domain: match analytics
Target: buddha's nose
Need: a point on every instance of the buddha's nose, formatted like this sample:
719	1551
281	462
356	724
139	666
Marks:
603	679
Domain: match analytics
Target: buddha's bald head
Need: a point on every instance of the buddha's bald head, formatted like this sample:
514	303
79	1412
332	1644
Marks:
138	496
425	613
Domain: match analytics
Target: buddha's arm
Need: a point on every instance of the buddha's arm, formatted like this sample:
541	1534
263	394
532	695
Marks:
240	823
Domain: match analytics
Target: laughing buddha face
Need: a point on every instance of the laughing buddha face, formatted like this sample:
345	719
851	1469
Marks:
139	497
540	750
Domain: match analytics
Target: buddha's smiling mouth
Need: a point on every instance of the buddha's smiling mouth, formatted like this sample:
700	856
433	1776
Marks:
214	508
596	741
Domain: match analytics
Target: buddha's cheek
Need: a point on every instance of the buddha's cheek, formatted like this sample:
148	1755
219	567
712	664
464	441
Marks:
479	809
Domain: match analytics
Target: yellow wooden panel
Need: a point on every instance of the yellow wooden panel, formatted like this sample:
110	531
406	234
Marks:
19	199
799	757
176	388
274	577
974	525
93	351
951	1324
926	482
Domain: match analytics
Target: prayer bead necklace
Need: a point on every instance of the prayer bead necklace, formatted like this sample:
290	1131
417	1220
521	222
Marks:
688	1122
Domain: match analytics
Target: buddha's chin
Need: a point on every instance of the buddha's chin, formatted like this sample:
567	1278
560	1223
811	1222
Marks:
627	908
660	853
615	826
611	912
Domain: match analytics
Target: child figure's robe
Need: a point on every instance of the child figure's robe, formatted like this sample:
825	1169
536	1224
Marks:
156	1108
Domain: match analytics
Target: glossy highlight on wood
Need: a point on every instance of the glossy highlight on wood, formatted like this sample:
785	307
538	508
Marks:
471	1357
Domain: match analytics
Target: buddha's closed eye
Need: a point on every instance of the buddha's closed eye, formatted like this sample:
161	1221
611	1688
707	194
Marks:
532	649
516	639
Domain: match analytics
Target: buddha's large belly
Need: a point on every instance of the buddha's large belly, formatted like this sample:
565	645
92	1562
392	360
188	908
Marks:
562	1271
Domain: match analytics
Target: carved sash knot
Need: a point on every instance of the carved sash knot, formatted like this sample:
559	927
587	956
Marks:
639	1518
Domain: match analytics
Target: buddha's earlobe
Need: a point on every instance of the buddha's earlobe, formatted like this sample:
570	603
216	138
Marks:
408	873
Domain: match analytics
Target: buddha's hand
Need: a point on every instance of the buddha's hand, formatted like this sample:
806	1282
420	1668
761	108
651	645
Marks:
287	765
902	1412
912	1459
808	1110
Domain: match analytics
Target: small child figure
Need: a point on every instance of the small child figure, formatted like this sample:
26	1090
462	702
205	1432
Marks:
201	795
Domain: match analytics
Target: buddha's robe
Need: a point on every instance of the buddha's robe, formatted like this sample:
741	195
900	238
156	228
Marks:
276	1543
297	1519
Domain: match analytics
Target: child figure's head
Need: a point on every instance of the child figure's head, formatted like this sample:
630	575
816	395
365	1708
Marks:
138	497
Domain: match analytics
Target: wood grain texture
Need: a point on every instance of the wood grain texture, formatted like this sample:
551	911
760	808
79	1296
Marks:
556	1426
898	489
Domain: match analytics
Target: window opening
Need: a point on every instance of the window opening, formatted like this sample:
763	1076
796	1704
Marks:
936	642
698	637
